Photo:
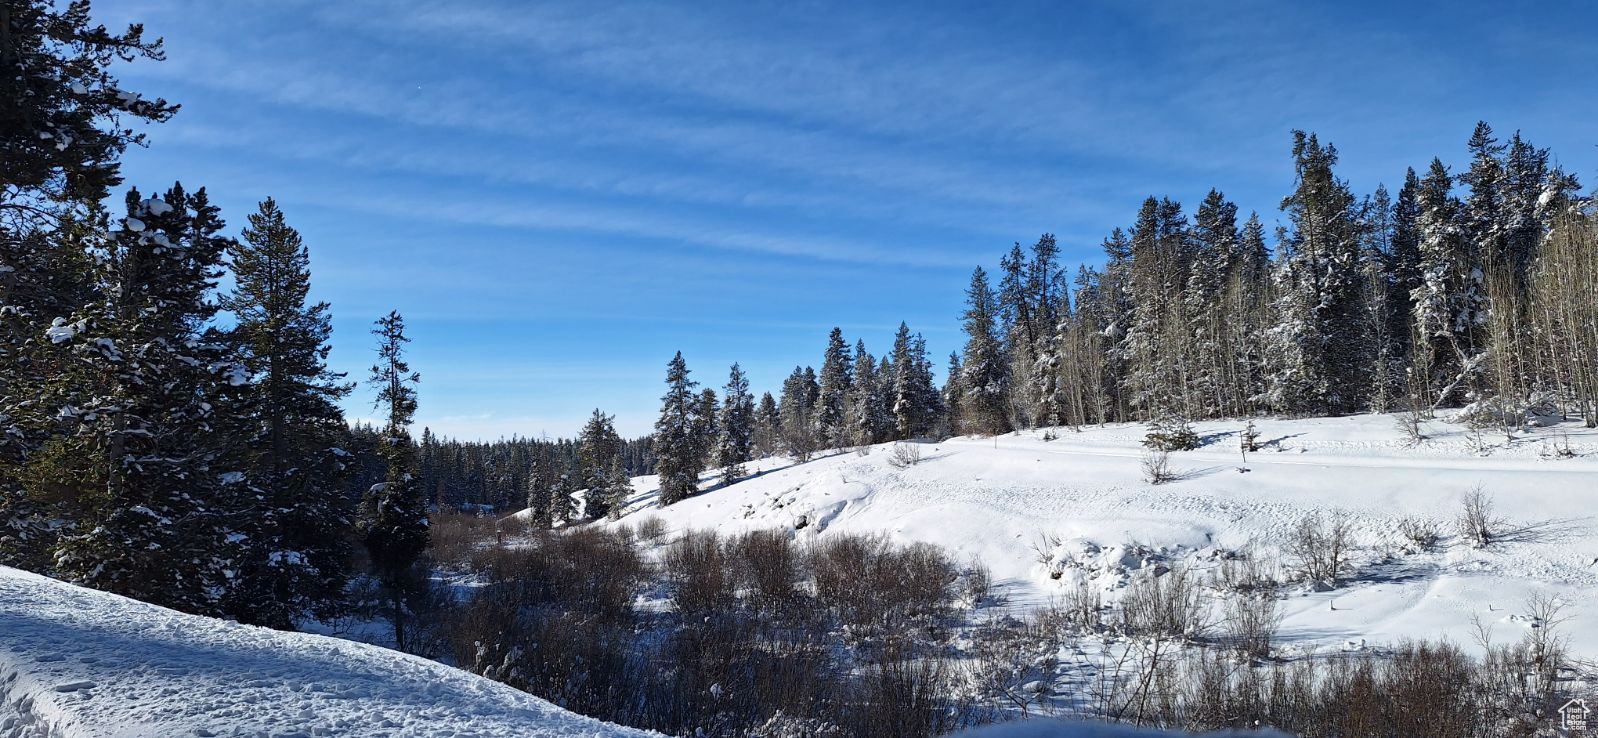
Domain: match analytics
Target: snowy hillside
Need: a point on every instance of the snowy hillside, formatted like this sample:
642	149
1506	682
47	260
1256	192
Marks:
76	663
1045	515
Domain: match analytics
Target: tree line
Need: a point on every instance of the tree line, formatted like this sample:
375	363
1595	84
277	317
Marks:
1478	289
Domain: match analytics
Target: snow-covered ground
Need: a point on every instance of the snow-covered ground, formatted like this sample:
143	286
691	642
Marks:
76	663
1078	507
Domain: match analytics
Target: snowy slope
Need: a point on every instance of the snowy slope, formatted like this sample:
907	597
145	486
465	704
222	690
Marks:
1078	507
79	663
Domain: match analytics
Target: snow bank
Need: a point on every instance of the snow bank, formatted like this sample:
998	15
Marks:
76	663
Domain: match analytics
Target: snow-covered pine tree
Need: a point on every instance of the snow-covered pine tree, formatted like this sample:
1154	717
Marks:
707	411
954	395
913	397
736	437
1215	255
64	122
393	516
143	432
562	508
1449	304
678	454
1317	349
800	391
297	551
768	426
832	401
984	372
598	450
868	416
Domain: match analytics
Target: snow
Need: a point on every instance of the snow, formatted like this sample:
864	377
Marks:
76	663
60	331
1046	515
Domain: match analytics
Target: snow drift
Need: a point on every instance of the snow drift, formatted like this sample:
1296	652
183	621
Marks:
76	663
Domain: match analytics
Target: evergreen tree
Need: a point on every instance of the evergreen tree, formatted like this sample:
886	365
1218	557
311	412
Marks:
1449	304
954	395
64	122
296	552
706	425
737	426
800	392
562	508
1215	256
1317	347
143	433
985	379
913	397
598	453
768	426
868	415
678	453
393	516
832	402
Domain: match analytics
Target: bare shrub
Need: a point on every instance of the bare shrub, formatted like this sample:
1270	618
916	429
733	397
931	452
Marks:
977	581
768	565
651	531
1476	523
904	455
1156	467
452	536
1171	434
1251	623
1421	533
1320	547
699	571
1409	425
868	582
1170	605
1084	607
1248	570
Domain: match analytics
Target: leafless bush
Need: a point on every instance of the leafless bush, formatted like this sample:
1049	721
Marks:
1157	466
1420	532
651	531
904	455
1409	424
768	566
1251	622
698	568
867	582
1320	547
1167	605
1476	523
1249	569
977	582
1084	607
452	536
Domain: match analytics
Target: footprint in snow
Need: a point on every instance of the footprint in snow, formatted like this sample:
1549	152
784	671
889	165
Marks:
74	686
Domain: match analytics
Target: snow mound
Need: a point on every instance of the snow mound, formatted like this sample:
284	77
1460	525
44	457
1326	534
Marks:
76	663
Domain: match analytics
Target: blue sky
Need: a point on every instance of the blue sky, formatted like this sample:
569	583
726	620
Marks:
559	195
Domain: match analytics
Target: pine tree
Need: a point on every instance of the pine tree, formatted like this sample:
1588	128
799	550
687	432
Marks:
707	426
562	508
868	416
768	426
985	377
800	392
913	398
679	456
832	401
1318	350
598	451
1215	256
64	123
1450	303
737	427
296	559
393	515
143	433
954	395
64	119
